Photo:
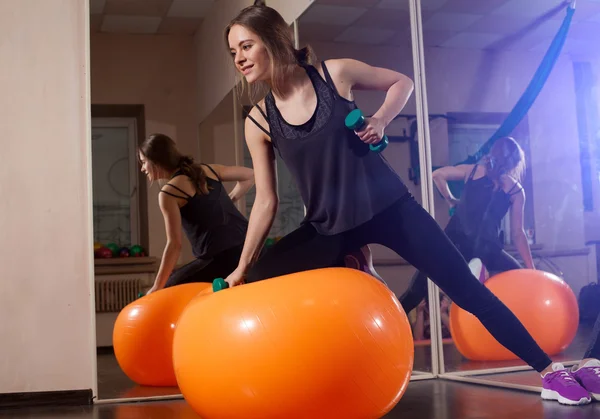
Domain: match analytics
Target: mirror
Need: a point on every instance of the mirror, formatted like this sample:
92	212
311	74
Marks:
143	63
485	71
145	79
378	33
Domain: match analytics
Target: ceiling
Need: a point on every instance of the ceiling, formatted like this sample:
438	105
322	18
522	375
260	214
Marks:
513	24
180	17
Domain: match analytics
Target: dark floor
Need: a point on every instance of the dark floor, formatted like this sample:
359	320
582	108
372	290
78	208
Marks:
114	384
423	399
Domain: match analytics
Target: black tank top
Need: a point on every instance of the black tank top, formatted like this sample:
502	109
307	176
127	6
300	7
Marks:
342	183
480	211
211	222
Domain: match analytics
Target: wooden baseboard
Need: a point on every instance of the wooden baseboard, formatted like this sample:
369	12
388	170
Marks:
46	398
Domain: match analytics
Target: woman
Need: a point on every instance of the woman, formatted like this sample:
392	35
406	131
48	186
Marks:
195	199
352	195
491	189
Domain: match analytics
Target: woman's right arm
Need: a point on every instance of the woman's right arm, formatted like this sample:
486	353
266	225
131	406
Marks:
243	176
266	201
517	230
444	174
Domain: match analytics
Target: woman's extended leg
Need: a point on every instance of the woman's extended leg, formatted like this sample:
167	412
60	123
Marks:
411	232
417	290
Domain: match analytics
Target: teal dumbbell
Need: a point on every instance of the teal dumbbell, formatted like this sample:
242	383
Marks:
451	211
219	284
355	120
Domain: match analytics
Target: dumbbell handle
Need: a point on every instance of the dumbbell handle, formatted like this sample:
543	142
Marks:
355	120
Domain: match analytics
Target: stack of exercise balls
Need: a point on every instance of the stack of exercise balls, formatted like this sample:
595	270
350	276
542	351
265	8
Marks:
323	343
112	250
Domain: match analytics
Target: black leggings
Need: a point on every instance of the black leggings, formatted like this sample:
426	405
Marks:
412	233
206	270
495	260
594	348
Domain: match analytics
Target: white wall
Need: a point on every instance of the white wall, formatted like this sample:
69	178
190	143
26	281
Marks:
216	74
47	327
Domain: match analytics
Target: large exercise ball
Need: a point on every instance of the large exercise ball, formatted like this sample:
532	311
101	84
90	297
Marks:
543	302
326	343
143	334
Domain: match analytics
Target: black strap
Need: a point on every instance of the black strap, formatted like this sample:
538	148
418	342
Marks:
472	172
173	195
328	78
263	129
187	196
262	112
212	170
510	191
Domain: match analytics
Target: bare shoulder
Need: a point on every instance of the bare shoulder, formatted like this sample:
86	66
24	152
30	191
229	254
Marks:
338	70
252	127
209	173
465	169
181	182
511	185
256	113
337	67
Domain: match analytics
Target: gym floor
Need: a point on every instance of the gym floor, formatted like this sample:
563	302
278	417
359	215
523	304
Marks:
114	384
437	399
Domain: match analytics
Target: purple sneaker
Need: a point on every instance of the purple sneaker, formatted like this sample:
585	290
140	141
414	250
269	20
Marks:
589	377
561	386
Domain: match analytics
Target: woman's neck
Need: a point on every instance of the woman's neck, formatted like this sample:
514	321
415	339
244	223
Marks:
295	81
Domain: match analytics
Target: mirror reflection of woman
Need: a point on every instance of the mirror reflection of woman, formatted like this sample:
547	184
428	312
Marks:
492	189
195	200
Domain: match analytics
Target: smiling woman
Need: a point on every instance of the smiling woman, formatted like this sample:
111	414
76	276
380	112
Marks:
278	47
353	197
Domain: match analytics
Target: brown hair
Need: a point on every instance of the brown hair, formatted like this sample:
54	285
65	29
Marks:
506	157
162	152
277	36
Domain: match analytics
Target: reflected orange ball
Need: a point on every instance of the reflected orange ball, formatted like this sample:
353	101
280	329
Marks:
326	343
143	334
543	302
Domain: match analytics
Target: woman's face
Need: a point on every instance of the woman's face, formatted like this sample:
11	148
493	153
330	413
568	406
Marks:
249	54
148	168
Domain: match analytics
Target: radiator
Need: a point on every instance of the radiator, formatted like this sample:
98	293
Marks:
113	294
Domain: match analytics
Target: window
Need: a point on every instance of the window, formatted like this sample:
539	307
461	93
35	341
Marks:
116	204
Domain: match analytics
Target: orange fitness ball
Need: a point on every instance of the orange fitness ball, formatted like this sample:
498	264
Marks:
326	343
143	334
543	302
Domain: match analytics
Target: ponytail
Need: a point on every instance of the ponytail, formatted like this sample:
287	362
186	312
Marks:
188	167
304	56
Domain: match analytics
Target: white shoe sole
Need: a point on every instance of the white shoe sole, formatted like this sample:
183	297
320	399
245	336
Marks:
553	395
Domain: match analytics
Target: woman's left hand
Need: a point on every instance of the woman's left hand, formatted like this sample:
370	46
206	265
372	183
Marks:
151	290
372	131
